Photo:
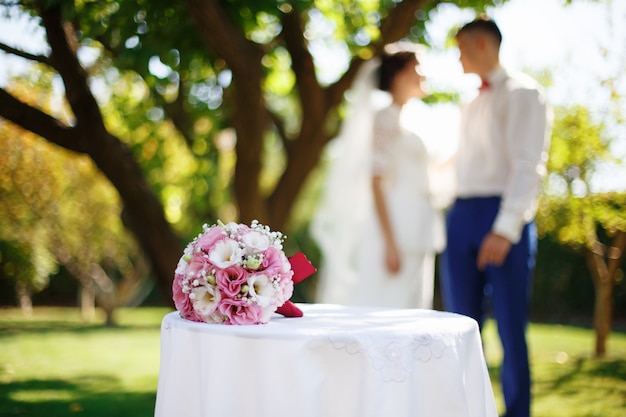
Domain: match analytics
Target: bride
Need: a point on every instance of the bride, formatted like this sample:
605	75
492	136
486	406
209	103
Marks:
377	226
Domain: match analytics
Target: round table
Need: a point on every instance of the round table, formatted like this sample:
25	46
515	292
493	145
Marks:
336	361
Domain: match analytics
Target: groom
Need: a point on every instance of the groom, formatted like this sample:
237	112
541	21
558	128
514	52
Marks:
491	235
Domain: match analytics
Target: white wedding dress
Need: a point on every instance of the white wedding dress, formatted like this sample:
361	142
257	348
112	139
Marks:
402	160
346	227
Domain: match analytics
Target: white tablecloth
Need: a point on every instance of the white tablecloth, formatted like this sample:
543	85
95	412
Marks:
333	362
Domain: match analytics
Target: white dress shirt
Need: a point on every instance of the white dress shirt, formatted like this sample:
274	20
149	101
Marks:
503	148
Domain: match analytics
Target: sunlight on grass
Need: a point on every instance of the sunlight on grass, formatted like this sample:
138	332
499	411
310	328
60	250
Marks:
53	364
567	379
42	395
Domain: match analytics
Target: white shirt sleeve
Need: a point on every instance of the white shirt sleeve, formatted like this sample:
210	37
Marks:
526	133
503	149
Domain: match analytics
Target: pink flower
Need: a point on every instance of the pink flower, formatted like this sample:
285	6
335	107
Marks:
182	302
273	262
233	274
208	239
238	311
198	263
286	286
230	280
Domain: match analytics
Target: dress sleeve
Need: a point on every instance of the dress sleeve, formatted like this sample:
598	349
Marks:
385	129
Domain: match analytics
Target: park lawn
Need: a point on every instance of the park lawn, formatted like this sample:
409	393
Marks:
567	380
53	364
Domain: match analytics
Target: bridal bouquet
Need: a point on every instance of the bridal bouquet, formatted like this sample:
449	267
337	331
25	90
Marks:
237	274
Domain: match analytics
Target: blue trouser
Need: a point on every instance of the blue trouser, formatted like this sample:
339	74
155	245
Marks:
505	290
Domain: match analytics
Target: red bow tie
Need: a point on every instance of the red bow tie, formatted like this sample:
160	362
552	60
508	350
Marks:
484	86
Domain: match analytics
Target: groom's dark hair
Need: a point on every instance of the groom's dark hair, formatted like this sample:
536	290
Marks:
485	25
390	65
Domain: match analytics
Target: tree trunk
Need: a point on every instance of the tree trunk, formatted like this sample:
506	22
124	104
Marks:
143	213
88	303
25	300
604	265
250	118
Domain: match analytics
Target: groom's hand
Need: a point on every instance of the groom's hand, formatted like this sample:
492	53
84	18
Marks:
493	251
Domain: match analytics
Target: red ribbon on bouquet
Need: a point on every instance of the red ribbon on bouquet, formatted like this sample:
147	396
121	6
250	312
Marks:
302	268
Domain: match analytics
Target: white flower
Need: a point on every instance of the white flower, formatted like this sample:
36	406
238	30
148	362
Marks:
226	253
188	253
267	314
255	242
214	318
205	299
181	267
230	228
260	289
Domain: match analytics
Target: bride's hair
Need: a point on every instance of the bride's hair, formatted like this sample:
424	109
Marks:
391	64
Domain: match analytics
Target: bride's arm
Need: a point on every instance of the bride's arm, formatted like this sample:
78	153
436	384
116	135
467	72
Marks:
392	254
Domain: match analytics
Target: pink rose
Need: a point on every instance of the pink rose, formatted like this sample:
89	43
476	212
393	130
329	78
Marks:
198	262
230	280
238	311
209	238
182	302
286	285
273	262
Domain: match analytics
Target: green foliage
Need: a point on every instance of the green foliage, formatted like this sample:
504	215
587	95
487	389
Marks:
28	264
169	97
55	207
568	208
562	285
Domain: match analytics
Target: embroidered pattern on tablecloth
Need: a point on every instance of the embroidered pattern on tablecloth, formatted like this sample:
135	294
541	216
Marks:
393	358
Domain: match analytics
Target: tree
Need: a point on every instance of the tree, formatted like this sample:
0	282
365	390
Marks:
578	217
56	210
88	135
245	65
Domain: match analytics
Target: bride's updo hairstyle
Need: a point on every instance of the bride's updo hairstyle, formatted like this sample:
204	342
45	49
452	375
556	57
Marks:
391	64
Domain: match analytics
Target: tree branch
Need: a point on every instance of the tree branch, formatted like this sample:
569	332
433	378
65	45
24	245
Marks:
280	127
243	58
64	59
38	122
311	94
395	26
177	113
37	58
222	37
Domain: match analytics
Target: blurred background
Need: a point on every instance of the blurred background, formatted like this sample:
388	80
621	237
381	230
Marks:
126	125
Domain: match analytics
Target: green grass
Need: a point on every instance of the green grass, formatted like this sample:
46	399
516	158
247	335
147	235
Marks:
53	364
567	380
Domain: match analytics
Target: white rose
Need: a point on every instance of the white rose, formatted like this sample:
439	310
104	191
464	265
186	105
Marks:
260	289
255	242
181	267
205	300
226	253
